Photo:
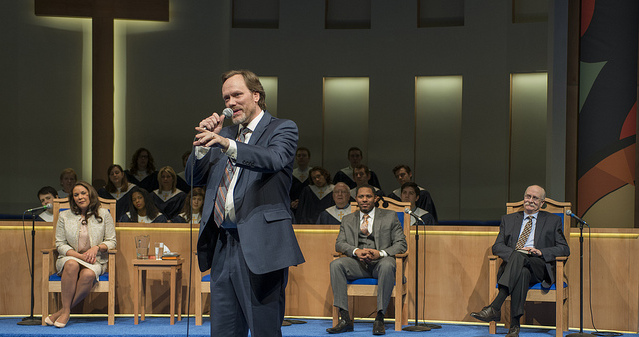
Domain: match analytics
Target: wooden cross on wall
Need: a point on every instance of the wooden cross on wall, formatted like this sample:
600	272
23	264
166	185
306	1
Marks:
103	13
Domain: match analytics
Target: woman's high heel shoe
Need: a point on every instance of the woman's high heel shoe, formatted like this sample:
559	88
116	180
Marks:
59	325
48	321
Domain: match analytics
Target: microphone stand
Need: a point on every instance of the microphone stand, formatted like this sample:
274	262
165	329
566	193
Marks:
581	284
32	320
418	326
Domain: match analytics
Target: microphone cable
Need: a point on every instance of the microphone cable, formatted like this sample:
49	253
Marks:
192	256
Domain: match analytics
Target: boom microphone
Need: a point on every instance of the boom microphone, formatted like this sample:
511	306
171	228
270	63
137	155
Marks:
47	206
411	213
573	215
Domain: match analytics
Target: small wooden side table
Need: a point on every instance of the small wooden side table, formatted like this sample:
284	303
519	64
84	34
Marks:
141	267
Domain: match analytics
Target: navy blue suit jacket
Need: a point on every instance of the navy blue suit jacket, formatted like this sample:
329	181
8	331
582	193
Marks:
261	196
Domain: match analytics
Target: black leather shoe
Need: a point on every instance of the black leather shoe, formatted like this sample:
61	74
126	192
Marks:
343	325
513	331
378	328
487	314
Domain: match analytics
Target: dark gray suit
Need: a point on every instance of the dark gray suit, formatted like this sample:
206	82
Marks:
519	270
388	236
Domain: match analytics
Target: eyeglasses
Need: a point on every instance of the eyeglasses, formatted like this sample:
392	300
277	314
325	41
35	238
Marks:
533	197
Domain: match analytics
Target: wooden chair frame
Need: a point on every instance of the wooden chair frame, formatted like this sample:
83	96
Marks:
201	289
559	295
400	291
50	255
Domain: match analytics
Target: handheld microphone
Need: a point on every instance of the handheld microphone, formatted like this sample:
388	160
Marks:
573	215
228	113
47	206
411	213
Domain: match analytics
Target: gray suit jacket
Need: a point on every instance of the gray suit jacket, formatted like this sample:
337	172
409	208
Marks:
549	239
387	231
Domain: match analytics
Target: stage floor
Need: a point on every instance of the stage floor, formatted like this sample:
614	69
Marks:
159	326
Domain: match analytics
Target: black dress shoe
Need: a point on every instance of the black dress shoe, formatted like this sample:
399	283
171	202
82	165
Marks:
378	328
343	325
513	331
487	314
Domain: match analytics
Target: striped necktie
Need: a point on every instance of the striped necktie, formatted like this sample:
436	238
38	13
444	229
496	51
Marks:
222	190
524	234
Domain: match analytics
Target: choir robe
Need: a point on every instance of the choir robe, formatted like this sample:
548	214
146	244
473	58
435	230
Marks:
182	218
345	176
169	204
160	218
426	217
148	182
123	199
45	216
301	179
333	215
313	201
424	202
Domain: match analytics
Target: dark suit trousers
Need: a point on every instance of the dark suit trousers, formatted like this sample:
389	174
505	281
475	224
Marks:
518	274
241	300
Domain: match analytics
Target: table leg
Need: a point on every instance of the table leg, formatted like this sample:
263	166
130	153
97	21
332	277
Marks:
179	293
173	285
136	293
143	281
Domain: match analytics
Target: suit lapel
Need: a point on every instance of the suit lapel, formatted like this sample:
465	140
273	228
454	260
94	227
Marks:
355	228
240	186
539	226
259	129
516	229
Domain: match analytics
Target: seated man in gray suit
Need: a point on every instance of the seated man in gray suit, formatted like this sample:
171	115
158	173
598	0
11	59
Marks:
369	239
528	242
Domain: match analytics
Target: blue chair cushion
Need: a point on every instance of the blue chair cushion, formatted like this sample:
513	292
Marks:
366	281
537	286
206	278
56	277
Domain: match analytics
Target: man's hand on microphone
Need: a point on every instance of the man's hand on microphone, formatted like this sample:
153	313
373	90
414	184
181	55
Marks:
208	129
208	139
212	123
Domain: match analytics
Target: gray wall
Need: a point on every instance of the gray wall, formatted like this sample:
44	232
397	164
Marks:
172	81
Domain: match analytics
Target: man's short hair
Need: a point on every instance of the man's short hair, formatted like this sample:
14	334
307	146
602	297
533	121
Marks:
252	83
362	166
399	167
301	148
412	185
364	186
47	190
355	148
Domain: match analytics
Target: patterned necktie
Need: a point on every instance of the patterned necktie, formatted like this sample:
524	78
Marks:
525	233
364	226
220	199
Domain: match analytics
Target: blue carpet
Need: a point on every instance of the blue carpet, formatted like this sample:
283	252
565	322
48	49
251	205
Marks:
159	326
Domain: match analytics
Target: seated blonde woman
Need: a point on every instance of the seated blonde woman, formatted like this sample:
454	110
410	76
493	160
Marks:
168	198
83	235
